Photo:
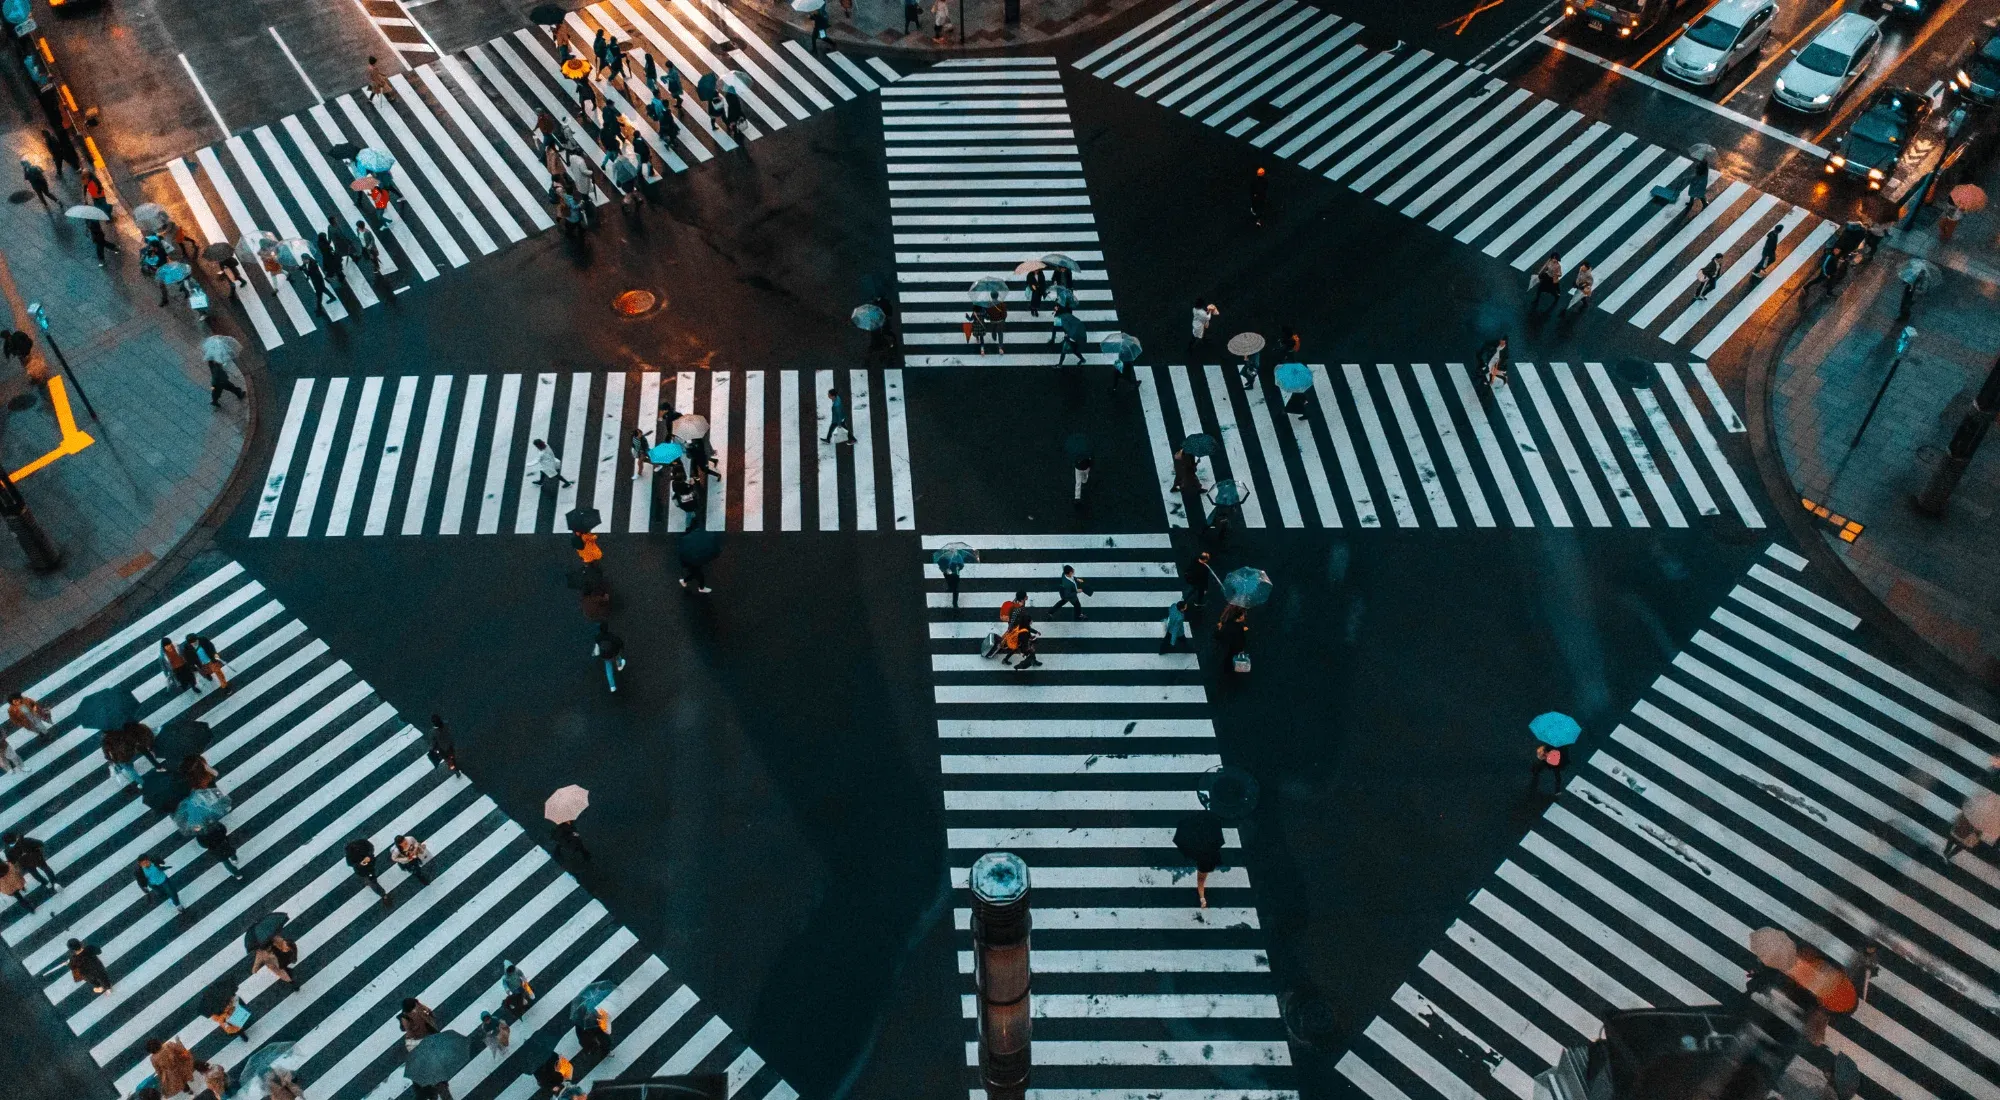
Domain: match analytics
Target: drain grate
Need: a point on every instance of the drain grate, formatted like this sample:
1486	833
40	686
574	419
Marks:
636	303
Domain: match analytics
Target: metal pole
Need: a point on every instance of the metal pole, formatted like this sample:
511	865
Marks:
43	557
1902	345
1964	443
42	322
1000	927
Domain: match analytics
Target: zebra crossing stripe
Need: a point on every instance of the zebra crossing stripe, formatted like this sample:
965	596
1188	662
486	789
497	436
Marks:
1572	464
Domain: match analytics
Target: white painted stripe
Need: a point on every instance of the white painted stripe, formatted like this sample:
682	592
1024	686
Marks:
527	511
1496	1010
610	445
1119	43
1371	152
1185	801
212	232
972	728
1582	209
1690	275
1313	60
1343	447
1574	918
1159	445
1492	177
1509	967
1559	197
407	187
854	72
1219	388
1697	427
1057	877
1138	1052
1717	400
1149	630
357	281
752	473
1731	277
1801	595
281	218
281	461
428	448
458	481
1454	449
1397	77
1572	464
1786	557
574	427
827	459
490	156
902	491
247	226
1413	439
1534	183
510	137
789	490
1635	444
1378	443
1463	162
1635	201
506	403
357	454
718	434
316	459
142	628
1208	961
390	460
1050	571
1670	442
1530	452
1420	1063
863	451
1367	1079
1034	693
1658	257
1141	1006
1073	662
1089	764
1053	542
1422	141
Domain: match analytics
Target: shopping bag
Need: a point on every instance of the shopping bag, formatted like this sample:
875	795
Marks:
1666	193
1241	663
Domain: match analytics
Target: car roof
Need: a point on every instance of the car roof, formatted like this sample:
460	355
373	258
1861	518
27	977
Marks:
1738	12
1845	33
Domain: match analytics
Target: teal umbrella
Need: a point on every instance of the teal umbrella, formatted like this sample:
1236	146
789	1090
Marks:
199	809
1072	326
1124	345
1228	493
665	452
1294	377
1247	587
868	318
1200	445
1555	729
988	289
954	555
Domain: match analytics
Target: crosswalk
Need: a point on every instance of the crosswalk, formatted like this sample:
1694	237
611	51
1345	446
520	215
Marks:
1408	445
311	757
1495	167
462	131
449	455
1083	768
984	174
1779	773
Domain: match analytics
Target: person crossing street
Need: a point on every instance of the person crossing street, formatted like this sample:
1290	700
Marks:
1069	590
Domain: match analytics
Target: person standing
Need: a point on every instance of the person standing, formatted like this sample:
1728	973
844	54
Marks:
1069	590
1038	289
32	857
37	180
215	839
1260	195
30	714
1195	575
1697	185
360	855
177	668
411	854
1174	627
152	878
610	649
1547	758
443	751
1548	280
84	964
1582	285
173	1065
1199	837
941	20
15	885
417	1021
1204	316
641	448
568	839
207	659
1916	279
1706	279
62	150
544	468
838	417
1770	254
913	16
515	992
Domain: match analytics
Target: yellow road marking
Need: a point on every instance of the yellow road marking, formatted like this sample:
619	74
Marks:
74	439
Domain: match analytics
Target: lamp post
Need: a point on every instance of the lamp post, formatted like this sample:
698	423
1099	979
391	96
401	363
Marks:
42	322
1000	927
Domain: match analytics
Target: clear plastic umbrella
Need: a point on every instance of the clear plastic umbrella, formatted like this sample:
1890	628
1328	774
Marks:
221	349
987	290
1702	152
737	81
591	999
87	214
1057	259
1982	812
691	426
808	6
151	216
1247	587
264	1059
1124	345
868	318
1228	493
1774	948
199	809
1065	297
372	159
954	555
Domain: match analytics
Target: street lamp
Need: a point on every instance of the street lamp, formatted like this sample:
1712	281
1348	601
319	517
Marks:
1000	926
43	557
42	322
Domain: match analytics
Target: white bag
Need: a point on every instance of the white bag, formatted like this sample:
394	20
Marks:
1241	663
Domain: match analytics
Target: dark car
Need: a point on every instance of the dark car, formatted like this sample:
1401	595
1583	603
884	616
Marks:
1914	9
1875	140
1978	74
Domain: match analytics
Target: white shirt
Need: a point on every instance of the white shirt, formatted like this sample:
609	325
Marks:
1201	319
545	464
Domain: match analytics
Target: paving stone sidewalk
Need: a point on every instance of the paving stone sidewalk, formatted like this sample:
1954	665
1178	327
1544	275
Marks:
160	457
877	26
1937	575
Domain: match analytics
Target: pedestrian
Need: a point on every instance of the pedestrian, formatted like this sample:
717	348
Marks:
215	1079
687	494
1547	758
214	837
585	545
1187	476
996	323
1547	280
378	200
93	191
360	855
1199	837
1231	636
61	150
140	736
200	651
417	1021
1260	194
614	52
1813	983
15	885
673	83
950	567
838	419
913	16
1493	361
1204	316
173	1065
1770	254
552	1075
37	180
1195	575
1582	285
266	957
516	993
611	132
544	468
610	649
819	25
196	772
99	241
1066	345
1698	185
600	48
1069	589
119	754
378	84
317	278
593	1033
443	751
1832	269
85	964
1021	640
234	1016
494	1033
1707	277
10	758
575	217
219	383
152	877
1964	834
569	840
17	345
941	20
330	250
371	252
1081	478
974	328
1916	279
1174	627
231	271
283	1084
30	715
411	854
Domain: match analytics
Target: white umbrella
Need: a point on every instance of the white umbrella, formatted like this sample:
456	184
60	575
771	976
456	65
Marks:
566	804
1026	266
87	214
1774	948
691	426
1246	344
808	6
220	349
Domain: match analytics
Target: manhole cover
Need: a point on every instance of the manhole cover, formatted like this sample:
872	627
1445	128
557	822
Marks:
22	402
1310	1019
636	303
1229	791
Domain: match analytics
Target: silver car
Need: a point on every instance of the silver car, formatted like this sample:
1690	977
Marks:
1710	46
1829	65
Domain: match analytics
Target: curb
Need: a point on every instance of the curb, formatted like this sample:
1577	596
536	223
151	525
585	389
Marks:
785	28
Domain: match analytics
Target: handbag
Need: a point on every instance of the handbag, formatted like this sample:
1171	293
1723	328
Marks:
992	647
238	1017
1241	663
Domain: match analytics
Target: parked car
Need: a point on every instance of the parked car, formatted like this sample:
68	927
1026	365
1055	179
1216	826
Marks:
1977	75
1726	34
1915	9
1829	65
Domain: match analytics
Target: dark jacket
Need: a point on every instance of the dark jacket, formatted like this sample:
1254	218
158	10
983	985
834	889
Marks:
27	852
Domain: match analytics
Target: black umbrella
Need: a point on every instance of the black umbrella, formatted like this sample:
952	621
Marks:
261	932
437	1057
545	15
163	790
346	150
184	736
107	709
583	519
1199	837
1200	444
1072	325
218	252
698	547
1229	792
214	1000
705	87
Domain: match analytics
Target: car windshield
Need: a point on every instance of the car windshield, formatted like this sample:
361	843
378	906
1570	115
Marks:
1822	60
1713	33
1991	51
1879	126
1868	152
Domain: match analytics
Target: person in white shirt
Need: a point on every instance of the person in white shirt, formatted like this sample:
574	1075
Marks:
1204	315
544	467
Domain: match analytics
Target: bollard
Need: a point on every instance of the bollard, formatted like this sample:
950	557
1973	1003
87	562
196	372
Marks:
1000	926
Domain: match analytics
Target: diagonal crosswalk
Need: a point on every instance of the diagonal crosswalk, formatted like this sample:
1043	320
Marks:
311	757
984	173
1498	168
461	127
1410	445
1780	773
1083	768
450	455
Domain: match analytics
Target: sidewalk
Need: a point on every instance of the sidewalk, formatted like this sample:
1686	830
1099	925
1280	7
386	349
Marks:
159	458
1935	575
877	25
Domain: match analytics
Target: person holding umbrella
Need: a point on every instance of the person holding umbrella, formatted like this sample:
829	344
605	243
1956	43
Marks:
30	715
951	559
696	549
1554	733
173	1065
1977	824
1199	837
562	808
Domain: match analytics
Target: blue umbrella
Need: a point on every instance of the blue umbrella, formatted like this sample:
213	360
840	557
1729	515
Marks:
107	709
665	452
375	160
174	273
588	1001
199	809
868	318
1294	377
1247	587
954	555
1555	729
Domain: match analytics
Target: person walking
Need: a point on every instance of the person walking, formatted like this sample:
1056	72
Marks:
1187	475
552	1075
1547	280
1203	317
1832	269
820	22
1964	834
219	383
1232	634
568	839
1260	195
411	854
1697	185
1174	627
85	964
1493	361
99	241
173	1065
15	885
1084	464
119	755
913	16
1199	837
1706	278
544	468
1195	575
151	876
214	838
196	772
30	715
1916	280
593	1031
360	853
1022	640
417	1021
93	190
1770	254
940	21
1550	759
200	650
10	758
443	751
1583	284
996	324
515	992
176	667
216	1079
62	151
378	84
266	956
610	649
641	447
950	567
38	181
838	417
1069	590
687	494
316	276
494	1034
371	251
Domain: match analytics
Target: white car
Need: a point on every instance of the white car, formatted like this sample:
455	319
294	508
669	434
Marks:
1829	65
1710	46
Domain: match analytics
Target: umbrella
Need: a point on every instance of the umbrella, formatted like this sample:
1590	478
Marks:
576	68
1228	791
365	183
566	803
184	736
583	519
1703	152
1065	297
1057	259
199	809
266	927
1199	835
437	1057
107	709
545	15
1294	377
705	87
691	426
1228	493
698	547
1026	266
163	790
346	150
175	272
737	81
1982	812
298	249
1916	270
593	996
1247	587
663	453
372	159
264	1059
988	289
222	349
1072	326
868	318
954	554
1200	444
1077	446
151	216
1555	729
217	252
1246	344
808	6
1774	948
1122	344
87	214
215	999
1968	197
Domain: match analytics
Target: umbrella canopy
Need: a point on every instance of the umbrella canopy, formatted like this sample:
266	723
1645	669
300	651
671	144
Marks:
1077	446
663	453
868	318
593	996
107	709
808	6
583	519
175	272
566	803
222	349
373	159
1982	811
364	183
1294	377
545	15
1200	444
264	1059
1246	343
691	426
437	1057
1199	835
215	999
347	150
1228	493
1916	270
217	251
1124	345
1247	587
987	290
1229	791
1774	948
1555	729
1968	197
698	547
151	216
1065	297
267	926
1026	266
184	736
1702	152
737	81
199	809
954	555
87	214
163	790
1057	259
705	87
1072	326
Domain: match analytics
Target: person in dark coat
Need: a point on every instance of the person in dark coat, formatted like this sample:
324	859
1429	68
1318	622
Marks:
1198	836
1231	635
442	751
214	838
361	857
1069	590
38	180
62	150
1195	575
219	383
591	1038
84	965
32	857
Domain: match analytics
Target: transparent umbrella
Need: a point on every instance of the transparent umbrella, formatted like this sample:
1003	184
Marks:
987	290
1246	344
372	159
1064	297
1057	259
264	1059
87	214
591	999
1702	152
1124	345
1247	587
151	216
1982	811
1228	493
566	803
954	555
868	318
691	426
200	809
221	349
